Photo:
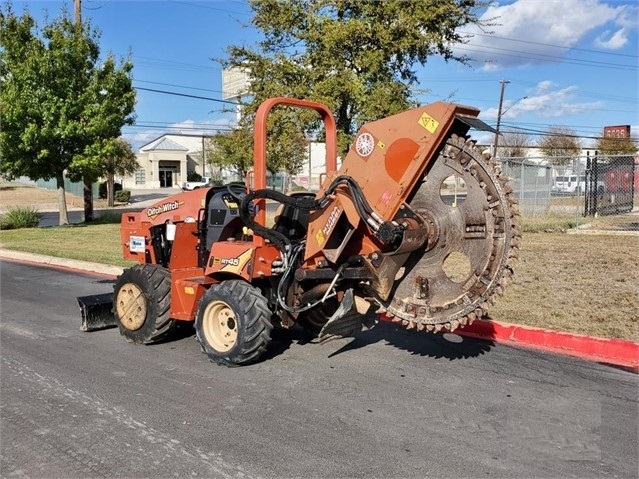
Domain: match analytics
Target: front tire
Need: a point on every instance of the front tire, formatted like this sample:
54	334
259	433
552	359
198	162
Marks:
142	303
233	323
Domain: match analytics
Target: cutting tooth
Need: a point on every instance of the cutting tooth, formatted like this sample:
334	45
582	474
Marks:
430	328
438	327
454	324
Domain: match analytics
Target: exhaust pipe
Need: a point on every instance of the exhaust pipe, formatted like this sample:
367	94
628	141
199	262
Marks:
97	312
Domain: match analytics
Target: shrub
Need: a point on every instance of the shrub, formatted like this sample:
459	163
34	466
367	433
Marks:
102	189
193	176
20	217
107	217
122	196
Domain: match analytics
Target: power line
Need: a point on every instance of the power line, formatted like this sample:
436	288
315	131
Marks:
178	86
177	127
543	57
165	92
209	7
598	52
174	65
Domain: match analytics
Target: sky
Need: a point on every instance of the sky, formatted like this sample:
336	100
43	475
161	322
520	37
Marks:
570	63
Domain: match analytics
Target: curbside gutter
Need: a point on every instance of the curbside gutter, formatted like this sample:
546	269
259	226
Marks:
617	352
61	262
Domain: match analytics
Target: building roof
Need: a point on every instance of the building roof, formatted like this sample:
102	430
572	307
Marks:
163	143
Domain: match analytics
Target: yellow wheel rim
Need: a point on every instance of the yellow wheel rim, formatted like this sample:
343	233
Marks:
131	306
219	326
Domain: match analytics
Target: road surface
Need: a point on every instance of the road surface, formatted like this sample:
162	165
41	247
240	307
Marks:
390	403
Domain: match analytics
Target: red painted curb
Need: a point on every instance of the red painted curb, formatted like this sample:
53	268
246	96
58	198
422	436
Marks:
612	351
619	352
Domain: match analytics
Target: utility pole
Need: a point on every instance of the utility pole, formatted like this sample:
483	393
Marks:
78	11
501	102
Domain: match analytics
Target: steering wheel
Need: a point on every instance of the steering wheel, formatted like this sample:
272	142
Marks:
238	191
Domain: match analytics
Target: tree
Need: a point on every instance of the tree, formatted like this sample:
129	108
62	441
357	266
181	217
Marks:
110	99
358	57
561	145
58	101
514	144
232	150
110	156
617	146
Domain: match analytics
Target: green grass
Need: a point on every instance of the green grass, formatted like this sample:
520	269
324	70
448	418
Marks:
99	243
550	223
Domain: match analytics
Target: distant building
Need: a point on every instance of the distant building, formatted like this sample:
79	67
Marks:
166	161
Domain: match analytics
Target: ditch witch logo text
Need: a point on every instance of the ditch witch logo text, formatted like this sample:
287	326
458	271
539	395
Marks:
156	211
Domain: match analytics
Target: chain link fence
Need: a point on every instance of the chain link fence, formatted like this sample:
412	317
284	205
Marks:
580	186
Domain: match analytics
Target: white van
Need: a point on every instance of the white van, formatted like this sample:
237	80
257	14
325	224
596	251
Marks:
573	184
569	184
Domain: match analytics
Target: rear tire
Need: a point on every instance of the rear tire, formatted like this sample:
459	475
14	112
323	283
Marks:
233	323
142	303
314	319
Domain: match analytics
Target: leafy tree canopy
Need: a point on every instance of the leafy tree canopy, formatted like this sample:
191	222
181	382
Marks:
233	150
58	101
560	144
617	146
358	57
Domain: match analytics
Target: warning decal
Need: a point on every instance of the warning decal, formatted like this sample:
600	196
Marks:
428	122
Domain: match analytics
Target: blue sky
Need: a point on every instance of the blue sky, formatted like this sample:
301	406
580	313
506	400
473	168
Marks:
571	63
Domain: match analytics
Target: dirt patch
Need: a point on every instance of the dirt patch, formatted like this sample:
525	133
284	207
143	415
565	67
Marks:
12	195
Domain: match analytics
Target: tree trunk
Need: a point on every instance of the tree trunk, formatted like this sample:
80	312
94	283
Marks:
62	200
110	192
88	200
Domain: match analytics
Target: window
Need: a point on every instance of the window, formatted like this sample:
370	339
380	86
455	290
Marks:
140	177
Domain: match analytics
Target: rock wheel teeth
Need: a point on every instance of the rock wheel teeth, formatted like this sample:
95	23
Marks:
485	229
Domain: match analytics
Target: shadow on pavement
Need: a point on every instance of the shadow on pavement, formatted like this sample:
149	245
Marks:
447	345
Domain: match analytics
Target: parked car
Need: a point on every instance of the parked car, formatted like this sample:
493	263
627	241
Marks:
194	185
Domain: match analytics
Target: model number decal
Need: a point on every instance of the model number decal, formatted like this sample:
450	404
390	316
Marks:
227	261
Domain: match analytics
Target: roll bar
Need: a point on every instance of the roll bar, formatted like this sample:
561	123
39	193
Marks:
259	145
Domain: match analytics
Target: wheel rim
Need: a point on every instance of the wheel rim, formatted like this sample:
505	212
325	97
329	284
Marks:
131	306
220	326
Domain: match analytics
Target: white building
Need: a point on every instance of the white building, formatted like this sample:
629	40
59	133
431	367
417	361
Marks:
166	161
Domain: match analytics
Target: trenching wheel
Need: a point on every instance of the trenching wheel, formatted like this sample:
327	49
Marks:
476	240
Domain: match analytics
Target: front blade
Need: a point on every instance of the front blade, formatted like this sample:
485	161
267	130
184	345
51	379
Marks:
97	312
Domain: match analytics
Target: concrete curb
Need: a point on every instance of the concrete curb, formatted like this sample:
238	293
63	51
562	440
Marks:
611	351
61	262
